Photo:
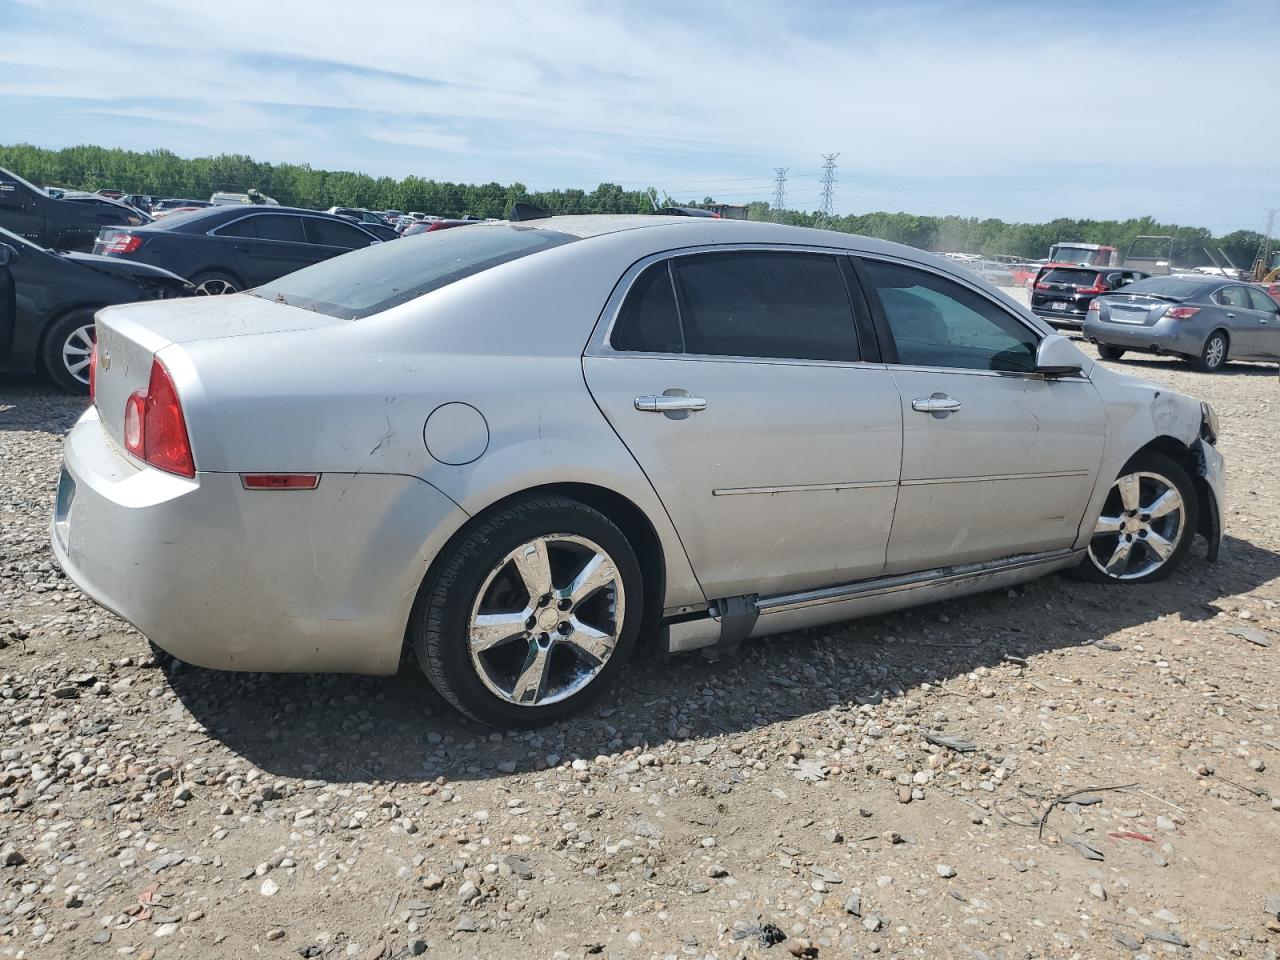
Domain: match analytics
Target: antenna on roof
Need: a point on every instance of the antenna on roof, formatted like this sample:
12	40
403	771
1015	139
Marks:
527	211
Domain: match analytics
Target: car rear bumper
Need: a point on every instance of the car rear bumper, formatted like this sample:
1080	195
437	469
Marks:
1163	336
1061	319
221	577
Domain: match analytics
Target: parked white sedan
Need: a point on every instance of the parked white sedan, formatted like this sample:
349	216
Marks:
517	448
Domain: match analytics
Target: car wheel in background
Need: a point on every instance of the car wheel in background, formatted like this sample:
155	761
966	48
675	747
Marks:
532	612
1214	354
1146	526
1110	353
68	345
214	284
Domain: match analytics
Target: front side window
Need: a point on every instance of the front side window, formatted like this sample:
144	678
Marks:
1261	301
765	304
936	322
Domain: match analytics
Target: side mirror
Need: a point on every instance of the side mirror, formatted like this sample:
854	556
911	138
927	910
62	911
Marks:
1057	357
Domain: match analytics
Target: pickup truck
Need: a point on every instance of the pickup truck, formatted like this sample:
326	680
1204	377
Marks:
57	222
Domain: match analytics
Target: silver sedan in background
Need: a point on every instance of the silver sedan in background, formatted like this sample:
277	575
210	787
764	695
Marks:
517	448
1207	321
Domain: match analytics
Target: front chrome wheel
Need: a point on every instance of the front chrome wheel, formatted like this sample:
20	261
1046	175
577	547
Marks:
1142	525
546	620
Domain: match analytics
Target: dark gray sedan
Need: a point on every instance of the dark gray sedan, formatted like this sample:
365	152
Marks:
1208	321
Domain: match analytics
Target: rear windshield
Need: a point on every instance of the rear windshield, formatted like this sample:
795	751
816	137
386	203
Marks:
1076	278
385	275
1174	288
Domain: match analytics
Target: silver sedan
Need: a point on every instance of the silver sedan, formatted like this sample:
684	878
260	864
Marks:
516	449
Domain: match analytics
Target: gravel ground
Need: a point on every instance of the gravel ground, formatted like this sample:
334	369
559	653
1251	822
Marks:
876	788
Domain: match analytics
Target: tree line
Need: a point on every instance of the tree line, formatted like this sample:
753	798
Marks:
165	174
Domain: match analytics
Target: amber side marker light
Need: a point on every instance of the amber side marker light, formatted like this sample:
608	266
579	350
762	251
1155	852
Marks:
280	481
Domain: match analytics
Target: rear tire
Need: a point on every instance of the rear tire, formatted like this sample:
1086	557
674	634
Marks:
1146	526
214	283
66	350
513	655
1213	356
1107	352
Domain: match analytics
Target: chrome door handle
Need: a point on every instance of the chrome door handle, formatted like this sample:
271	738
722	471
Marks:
938	403
1231	315
670	404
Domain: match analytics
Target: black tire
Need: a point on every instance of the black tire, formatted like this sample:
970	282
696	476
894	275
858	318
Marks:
215	283
439	626
1108	352
62	345
1213	358
1147	462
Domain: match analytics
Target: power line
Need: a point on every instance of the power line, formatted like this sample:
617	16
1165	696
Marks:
828	182
780	187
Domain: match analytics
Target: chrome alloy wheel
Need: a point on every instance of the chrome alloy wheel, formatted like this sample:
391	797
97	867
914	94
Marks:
215	287
1142	523
546	620
76	352
1214	351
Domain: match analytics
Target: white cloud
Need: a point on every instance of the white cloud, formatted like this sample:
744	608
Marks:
593	91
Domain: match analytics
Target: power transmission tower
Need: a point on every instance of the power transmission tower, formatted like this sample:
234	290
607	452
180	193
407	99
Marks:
828	182
780	187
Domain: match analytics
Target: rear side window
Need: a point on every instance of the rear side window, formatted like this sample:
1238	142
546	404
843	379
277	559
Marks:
385	275
265	227
331	233
649	321
766	304
1261	301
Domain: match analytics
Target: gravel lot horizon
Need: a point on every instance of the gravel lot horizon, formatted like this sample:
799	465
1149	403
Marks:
1061	770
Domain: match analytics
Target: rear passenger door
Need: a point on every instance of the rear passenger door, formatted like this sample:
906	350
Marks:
265	246
997	460
752	397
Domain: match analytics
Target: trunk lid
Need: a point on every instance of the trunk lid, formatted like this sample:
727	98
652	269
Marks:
131	335
1132	310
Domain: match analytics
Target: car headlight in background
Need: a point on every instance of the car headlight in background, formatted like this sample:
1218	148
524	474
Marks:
1208	423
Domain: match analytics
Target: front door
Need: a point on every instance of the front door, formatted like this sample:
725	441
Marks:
737	382
996	459
1266	335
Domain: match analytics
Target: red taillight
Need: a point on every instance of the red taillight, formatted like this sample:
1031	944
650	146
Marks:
1042	286
1098	287
1181	313
121	242
154	427
1095	306
93	373
280	481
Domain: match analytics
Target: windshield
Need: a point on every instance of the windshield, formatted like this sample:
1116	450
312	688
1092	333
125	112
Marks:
1069	253
385	275
1175	288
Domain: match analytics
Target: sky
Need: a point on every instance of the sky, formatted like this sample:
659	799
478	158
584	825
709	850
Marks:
992	108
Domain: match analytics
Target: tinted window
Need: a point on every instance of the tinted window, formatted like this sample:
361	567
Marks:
648	322
278	228
766	304
939	323
1173	288
239	228
331	233
1075	278
386	275
1261	301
